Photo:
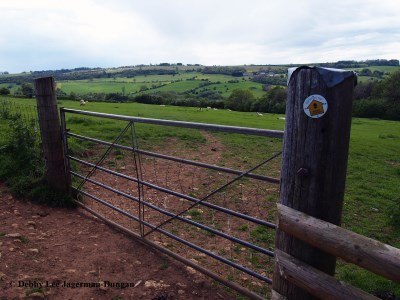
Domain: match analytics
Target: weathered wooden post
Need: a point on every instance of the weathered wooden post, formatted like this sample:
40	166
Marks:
313	172
49	123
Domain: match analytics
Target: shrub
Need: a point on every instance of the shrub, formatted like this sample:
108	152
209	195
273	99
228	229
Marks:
4	91
240	100
22	168
369	108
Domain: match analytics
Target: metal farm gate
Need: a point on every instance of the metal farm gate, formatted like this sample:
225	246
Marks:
160	181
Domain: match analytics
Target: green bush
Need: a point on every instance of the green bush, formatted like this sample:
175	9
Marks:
369	108
22	167
376	108
240	100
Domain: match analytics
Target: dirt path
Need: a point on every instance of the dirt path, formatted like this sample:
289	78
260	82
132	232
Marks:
47	253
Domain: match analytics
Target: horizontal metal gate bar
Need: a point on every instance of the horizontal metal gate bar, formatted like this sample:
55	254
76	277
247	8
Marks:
177	238
204	126
186	261
158	209
183	196
196	224
177	159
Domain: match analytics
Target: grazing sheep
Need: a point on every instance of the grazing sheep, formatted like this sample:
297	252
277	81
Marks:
208	107
82	102
215	108
162	105
259	114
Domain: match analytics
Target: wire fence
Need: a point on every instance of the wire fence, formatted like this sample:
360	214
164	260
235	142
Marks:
16	112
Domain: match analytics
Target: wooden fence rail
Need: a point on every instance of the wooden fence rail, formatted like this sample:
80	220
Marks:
367	253
370	254
315	282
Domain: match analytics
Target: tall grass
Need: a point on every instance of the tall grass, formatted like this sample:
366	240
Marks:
21	163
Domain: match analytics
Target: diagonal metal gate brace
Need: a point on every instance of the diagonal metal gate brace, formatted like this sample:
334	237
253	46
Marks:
213	193
103	156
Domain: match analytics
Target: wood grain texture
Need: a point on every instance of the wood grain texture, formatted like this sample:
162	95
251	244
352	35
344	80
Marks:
320	148
49	123
316	282
370	254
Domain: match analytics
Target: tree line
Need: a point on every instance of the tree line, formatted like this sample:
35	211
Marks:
378	99
374	99
342	64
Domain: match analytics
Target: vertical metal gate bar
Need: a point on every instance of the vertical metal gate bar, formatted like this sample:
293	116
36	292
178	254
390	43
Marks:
65	145
138	167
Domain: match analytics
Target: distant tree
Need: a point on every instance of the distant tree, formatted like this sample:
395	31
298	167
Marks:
378	74
240	100
237	73
27	90
274	101
60	93
4	91
72	96
365	72
363	90
143	88
391	88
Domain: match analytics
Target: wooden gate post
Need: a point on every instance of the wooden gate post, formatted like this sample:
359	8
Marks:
49	123
314	163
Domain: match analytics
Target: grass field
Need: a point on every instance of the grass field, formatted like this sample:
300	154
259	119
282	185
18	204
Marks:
372	188
161	83
11	86
386	69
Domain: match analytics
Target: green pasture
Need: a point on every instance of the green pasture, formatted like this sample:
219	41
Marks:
366	79
179	87
11	86
82	87
179	83
372	203
386	69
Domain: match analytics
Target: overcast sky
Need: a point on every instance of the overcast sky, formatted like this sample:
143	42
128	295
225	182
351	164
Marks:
55	34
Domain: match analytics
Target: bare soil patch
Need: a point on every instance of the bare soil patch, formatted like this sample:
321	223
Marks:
52	250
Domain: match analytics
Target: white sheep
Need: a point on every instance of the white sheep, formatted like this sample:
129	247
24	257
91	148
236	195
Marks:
259	114
208	107
82	102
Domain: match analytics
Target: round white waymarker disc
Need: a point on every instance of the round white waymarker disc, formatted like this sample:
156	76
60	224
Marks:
315	106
